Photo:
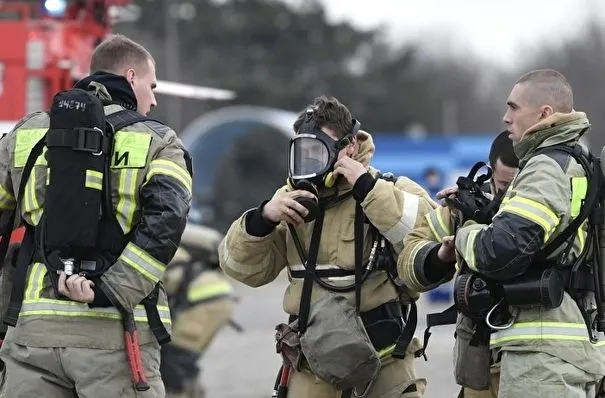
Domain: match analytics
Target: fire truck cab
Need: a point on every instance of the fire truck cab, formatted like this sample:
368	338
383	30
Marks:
46	47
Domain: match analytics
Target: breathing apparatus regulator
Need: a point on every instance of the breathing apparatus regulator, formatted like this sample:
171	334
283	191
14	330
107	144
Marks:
471	201
311	160
545	285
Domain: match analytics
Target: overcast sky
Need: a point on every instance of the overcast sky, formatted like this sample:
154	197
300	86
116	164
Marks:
501	31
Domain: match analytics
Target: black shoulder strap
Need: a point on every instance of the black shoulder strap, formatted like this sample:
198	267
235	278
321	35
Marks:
310	264
126	117
591	165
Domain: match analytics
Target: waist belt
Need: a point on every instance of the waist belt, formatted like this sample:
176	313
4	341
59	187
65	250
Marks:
323	273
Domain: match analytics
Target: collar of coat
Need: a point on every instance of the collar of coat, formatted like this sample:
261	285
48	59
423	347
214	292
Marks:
556	129
364	155
110	88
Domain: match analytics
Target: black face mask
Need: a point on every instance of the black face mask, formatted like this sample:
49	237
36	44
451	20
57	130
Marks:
311	161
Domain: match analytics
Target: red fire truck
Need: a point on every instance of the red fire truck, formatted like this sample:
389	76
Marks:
46	47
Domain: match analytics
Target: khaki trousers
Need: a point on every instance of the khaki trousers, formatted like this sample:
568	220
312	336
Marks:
33	372
539	375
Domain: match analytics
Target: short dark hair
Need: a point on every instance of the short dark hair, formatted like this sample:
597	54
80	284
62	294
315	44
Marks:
328	112
117	52
502	148
549	87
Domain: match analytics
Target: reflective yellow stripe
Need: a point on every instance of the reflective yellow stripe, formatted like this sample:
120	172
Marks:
204	292
66	308
127	202
169	168
579	186
141	261
35	281
409	268
534	212
25	140
7	201
35	305
94	179
437	224
31	207
541	331
469	251
130	149
386	352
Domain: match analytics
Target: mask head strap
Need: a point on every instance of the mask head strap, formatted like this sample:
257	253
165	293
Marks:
347	139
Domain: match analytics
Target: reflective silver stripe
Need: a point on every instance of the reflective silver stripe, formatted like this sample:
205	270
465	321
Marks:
300	267
143	262
73	309
406	223
127	193
35	282
94	179
437	224
541	331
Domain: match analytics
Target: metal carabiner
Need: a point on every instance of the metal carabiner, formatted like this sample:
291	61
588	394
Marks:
365	390
499	327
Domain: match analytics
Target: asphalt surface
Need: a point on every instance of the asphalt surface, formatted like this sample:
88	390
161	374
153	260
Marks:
245	364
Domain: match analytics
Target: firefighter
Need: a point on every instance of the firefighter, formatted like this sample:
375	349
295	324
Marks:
201	303
88	322
314	226
543	343
436	227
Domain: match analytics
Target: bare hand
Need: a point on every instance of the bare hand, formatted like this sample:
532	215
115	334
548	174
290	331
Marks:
349	169
283	207
447	192
447	250
76	287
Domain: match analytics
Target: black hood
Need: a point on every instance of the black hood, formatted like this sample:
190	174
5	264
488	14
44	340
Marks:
117	86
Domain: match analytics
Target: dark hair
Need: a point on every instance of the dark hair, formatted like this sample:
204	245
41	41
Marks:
117	52
328	112
502	148
549	87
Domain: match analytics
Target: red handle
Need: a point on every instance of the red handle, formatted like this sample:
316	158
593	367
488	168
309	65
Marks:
134	361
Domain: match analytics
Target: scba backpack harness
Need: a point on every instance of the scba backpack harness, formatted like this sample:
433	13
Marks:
78	232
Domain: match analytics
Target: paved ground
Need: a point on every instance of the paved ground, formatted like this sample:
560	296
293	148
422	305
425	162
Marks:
245	365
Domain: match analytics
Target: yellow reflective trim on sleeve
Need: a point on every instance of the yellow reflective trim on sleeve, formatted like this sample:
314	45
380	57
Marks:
25	140
31	206
172	169
94	180
142	262
437	224
534	212
35	281
205	292
130	149
7	200
410	266
469	251
579	186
